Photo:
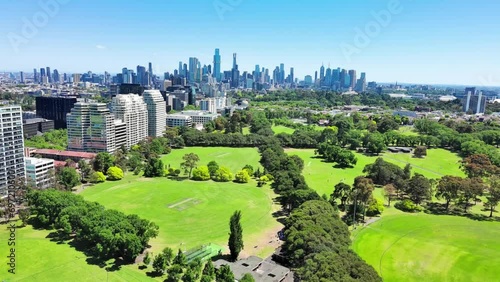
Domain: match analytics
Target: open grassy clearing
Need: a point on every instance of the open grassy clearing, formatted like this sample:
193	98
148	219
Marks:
407	130
322	176
422	247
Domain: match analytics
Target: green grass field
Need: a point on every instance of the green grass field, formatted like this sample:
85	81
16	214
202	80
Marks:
188	213
407	130
421	247
282	129
323	176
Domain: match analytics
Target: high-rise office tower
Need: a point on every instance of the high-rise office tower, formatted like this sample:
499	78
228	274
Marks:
217	71
142	78
151	75
328	78
157	112
343	75
132	110
193	69
49	75
91	128
315	76
35	76
180	68
125	75
42	73
352	77
22	77
54	108
235	74
12	148
361	83
282	73
56	77
322	73
256	73
65	77
291	76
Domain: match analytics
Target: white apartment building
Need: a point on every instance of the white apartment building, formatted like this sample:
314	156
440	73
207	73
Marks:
157	112
200	117
132	110
38	172
208	105
179	120
11	147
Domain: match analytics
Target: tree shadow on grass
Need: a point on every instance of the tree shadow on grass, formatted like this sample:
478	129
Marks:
440	209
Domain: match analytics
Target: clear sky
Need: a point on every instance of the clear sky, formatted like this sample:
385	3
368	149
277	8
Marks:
420	41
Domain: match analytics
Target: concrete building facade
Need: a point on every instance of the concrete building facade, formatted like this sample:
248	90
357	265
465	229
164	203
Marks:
39	172
11	147
132	110
175	120
157	112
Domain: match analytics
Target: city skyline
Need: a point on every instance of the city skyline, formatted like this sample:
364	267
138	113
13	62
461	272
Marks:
407	41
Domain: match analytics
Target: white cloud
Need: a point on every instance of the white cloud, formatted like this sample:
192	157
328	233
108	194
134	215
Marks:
100	46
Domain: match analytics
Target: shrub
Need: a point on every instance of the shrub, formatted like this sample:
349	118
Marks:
97	177
223	174
201	173
408	206
242	176
375	207
114	173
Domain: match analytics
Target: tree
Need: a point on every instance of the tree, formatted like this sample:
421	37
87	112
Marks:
97	177
154	168
223	174
419	188
420	151
103	161
236	235
224	274
342	192
212	168
362	191
247	278
493	194
375	143
448	188
478	165
249	169
180	259
242	176
470	190
85	170
147	259
68	177
201	173
190	161
114	173
168	254
209	269
389	193
159	263
24	215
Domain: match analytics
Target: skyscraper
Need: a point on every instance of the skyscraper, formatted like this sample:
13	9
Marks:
56	77
35	76
180	69
157	112
42	74
322	73
193	69
343	75
235	74
216	72
49	75
12	147
282	73
150	77
22	77
291	75
361	83
142	77
132	110
352	77
54	108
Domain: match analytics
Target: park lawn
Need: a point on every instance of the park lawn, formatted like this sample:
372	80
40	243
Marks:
39	259
233	158
282	129
322	176
422	247
407	130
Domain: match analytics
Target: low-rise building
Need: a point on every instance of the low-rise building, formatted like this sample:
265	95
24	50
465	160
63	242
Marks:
200	116
39	172
32	126
174	120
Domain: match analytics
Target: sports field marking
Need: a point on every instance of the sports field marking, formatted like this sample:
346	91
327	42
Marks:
179	203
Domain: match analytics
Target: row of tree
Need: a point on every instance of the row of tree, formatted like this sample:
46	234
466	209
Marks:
106	233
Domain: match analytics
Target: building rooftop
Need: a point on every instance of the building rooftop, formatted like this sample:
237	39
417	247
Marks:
261	270
34	120
37	161
68	154
197	113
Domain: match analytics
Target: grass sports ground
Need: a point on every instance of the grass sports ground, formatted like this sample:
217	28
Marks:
421	247
322	176
189	213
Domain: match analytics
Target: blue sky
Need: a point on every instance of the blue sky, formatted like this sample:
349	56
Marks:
423	41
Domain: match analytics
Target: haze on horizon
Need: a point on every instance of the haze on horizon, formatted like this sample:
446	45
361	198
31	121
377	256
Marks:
435	42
